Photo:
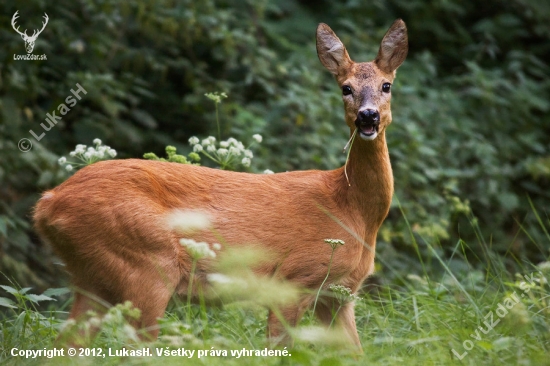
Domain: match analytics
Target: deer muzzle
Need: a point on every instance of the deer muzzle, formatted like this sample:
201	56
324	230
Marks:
368	122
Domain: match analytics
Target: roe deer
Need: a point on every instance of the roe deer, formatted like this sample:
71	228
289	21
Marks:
108	221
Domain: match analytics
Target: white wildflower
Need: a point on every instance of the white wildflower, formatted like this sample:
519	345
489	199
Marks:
334	242
94	322
211	148
224	144
88	154
212	139
222	152
62	160
257	137
99	154
217	246
97	141
267	171
111	152
91	150
197	148
187	221
197	250
248	154
234	151
72	153
81	147
219	278
246	162
193	140
69	167
232	141
205	142
343	294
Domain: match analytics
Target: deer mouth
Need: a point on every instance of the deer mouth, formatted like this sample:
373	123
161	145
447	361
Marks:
367	131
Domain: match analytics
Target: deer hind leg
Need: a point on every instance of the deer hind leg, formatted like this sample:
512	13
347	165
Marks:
329	312
83	330
147	286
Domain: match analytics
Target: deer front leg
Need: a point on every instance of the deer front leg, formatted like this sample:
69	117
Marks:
344	318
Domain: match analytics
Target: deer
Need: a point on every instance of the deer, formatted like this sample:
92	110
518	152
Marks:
29	40
107	221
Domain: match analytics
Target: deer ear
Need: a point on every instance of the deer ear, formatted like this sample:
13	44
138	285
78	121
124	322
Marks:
331	51
394	47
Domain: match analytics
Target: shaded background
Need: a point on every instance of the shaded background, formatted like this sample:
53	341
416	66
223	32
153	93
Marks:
469	142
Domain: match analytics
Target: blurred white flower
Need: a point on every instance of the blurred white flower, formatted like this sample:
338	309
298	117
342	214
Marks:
219	278
193	140
217	246
222	152
197	148
246	162
97	141
257	137
248	154
187	221
88	154
234	151
197	250
224	144
69	167
267	171
111	152
211	148
62	160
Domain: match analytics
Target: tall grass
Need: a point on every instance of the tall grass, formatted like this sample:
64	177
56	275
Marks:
432	318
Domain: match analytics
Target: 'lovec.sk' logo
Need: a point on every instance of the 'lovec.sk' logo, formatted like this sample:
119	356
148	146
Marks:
29	40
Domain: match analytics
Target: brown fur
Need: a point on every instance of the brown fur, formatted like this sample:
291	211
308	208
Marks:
107	222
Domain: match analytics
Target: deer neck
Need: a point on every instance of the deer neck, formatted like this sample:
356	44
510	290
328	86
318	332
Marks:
370	188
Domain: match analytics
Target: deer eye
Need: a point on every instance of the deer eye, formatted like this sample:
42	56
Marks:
386	87
346	90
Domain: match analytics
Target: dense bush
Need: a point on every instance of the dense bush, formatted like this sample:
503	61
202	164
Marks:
471	106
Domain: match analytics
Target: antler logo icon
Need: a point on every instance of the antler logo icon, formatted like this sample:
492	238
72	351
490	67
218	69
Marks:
29	40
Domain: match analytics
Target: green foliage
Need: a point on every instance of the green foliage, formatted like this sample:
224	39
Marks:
471	112
172	157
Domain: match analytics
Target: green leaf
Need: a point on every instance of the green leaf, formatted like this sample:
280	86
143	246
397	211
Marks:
56	291
38	298
9	289
3	227
24	290
7	302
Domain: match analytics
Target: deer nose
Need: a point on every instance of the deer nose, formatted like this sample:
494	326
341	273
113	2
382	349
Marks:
368	117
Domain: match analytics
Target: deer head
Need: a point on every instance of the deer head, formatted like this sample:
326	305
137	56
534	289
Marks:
29	40
365	86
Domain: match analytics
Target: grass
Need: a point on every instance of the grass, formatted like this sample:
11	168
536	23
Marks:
465	316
